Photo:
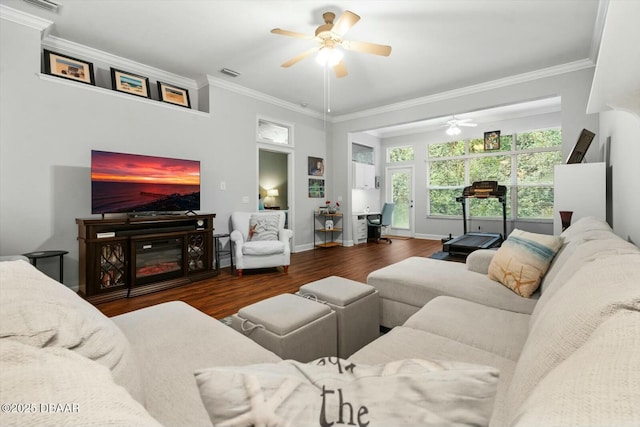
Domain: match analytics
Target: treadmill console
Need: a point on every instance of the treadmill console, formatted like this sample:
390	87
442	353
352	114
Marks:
484	189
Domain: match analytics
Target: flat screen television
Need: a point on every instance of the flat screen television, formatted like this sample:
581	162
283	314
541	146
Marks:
129	183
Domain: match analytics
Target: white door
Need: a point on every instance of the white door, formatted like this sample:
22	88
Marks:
399	190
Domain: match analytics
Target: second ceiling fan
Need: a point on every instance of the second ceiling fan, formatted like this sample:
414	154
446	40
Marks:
329	36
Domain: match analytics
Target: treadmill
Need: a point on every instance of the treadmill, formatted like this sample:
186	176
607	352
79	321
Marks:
469	242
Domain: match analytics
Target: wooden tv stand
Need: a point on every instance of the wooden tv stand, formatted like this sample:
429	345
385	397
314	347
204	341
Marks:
129	256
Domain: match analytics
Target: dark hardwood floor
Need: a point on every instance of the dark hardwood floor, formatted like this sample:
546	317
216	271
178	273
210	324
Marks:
225	294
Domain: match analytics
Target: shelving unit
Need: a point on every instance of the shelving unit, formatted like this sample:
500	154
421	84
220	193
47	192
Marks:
327	236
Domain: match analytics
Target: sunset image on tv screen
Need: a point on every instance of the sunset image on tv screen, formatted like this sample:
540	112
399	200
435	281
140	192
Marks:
137	183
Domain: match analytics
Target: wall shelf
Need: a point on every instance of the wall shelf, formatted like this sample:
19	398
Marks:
84	86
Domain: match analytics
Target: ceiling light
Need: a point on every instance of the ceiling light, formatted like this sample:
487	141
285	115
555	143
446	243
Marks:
453	130
329	56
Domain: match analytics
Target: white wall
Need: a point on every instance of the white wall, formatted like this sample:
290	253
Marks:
620	136
49	127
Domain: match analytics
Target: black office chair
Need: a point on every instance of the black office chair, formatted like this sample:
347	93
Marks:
376	222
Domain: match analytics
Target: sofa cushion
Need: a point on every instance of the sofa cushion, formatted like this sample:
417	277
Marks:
38	311
265	247
491	329
408	343
522	261
595	292
263	227
57	386
417	280
174	340
598	385
332	390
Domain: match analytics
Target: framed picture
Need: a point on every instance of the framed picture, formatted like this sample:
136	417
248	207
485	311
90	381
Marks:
174	94
316	188
492	140
581	147
123	81
316	166
67	67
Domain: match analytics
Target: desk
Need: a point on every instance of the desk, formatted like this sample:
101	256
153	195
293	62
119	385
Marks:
218	251
360	232
35	256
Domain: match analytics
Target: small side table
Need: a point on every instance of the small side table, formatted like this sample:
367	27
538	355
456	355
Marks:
35	256
219	251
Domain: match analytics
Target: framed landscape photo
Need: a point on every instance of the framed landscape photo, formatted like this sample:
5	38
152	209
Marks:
316	188
174	94
492	140
123	81
68	67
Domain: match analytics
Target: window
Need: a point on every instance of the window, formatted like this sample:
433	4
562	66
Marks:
524	163
274	133
399	154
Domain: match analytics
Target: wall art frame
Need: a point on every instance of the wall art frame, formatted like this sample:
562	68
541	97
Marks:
126	82
492	140
174	95
316	188
315	166
68	67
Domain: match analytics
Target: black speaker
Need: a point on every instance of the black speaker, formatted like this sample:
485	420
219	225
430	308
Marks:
377	182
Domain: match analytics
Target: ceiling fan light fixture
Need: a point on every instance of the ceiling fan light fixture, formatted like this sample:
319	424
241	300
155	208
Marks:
453	130
329	56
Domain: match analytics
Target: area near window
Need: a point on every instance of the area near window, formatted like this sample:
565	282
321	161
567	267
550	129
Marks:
524	163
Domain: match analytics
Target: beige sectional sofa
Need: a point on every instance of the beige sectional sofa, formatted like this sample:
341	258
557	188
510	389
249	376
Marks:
572	358
568	356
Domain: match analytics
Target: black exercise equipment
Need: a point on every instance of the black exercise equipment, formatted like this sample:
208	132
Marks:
469	242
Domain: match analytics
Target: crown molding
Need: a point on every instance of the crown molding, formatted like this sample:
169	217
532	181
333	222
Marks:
473	89
23	18
82	51
260	96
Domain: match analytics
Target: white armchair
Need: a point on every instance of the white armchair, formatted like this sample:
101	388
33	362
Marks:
260	240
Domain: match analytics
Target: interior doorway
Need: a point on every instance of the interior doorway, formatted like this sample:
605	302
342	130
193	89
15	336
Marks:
275	181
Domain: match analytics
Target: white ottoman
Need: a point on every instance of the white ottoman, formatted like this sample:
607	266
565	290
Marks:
357	307
291	327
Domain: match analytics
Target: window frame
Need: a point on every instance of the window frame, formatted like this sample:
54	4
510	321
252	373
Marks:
512	185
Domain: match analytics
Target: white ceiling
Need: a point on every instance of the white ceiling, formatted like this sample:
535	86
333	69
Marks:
438	45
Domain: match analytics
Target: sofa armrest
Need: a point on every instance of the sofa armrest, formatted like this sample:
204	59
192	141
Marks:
478	261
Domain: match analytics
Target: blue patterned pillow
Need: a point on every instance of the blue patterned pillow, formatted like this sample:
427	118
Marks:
523	259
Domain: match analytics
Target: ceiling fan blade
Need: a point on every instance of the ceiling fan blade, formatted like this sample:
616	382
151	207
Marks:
300	57
376	49
346	21
291	33
340	69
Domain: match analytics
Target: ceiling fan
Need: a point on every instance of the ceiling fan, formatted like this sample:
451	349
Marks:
329	36
454	124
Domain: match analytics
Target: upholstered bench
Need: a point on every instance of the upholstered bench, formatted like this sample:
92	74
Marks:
290	326
357	307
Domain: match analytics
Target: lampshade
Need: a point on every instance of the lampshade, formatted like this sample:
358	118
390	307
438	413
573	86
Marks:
329	56
273	192
453	130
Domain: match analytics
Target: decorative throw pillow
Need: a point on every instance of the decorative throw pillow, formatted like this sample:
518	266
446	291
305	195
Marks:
40	312
332	391
263	227
56	386
523	259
